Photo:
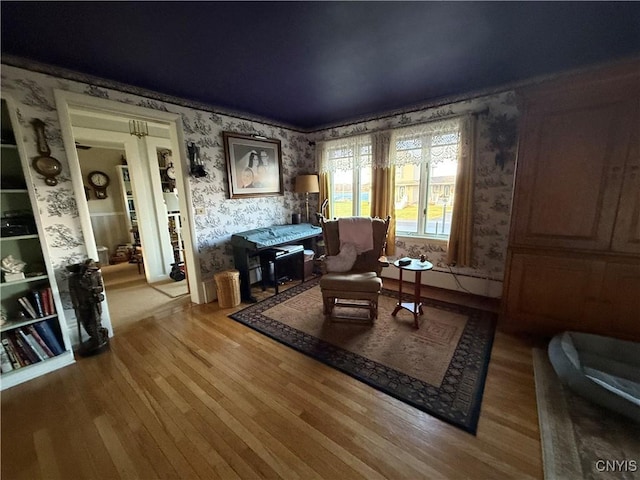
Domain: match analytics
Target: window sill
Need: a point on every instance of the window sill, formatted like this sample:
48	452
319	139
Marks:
430	240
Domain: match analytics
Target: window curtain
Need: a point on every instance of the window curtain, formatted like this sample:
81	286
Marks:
459	249
323	179
349	153
424	130
383	185
344	154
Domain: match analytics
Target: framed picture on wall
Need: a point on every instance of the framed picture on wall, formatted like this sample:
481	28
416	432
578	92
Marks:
254	165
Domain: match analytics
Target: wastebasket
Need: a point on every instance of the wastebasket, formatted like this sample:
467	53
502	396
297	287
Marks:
228	288
309	255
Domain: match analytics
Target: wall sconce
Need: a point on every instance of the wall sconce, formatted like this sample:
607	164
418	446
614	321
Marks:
307	184
197	169
503	135
138	128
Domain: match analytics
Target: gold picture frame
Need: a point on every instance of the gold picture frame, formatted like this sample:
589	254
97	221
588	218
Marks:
254	165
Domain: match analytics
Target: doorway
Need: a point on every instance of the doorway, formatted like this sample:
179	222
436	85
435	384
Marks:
103	124
114	220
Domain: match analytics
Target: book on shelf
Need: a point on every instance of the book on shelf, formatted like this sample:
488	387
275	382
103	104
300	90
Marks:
47	301
52	305
37	349
13	356
27	307
36	336
13	348
24	350
37	302
5	362
46	333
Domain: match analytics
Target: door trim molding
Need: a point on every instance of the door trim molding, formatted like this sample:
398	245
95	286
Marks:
65	101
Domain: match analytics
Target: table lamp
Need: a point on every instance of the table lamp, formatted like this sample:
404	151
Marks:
307	184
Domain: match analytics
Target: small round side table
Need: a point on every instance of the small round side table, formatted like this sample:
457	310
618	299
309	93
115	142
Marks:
414	307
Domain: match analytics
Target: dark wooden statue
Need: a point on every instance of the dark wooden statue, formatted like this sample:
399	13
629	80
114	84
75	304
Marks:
86	287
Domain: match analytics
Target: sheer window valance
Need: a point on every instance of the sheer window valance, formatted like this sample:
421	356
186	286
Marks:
424	143
345	154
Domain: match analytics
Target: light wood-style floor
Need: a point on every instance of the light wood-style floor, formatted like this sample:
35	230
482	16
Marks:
130	298
190	393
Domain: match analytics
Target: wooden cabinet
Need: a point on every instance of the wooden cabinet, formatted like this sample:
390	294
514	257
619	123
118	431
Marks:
574	248
34	334
573	155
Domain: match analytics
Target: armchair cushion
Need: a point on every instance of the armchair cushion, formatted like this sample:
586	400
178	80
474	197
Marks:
343	261
351	282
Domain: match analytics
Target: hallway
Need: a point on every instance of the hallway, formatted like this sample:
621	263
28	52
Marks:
131	298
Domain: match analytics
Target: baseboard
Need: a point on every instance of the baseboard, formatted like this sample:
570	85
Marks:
484	287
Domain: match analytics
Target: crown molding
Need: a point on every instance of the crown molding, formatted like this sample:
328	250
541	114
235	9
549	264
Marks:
67	74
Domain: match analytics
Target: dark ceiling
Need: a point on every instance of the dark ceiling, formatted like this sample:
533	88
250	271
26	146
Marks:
311	64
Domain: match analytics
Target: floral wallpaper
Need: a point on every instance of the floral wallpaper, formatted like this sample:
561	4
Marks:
493	181
33	94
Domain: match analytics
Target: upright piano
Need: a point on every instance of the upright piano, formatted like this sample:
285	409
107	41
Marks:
248	245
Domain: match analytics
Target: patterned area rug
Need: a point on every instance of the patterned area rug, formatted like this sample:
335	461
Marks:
439	368
581	440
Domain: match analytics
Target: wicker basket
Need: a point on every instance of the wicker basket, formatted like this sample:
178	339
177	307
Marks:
228	287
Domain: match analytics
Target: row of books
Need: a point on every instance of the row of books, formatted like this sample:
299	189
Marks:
38	303
28	345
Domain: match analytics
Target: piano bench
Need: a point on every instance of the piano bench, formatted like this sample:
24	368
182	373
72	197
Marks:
276	255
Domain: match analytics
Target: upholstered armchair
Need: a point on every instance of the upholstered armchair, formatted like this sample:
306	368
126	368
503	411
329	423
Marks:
349	272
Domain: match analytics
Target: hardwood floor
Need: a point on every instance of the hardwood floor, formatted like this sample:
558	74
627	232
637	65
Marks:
190	393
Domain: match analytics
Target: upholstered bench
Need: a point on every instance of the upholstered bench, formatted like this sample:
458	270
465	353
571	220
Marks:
364	286
602	369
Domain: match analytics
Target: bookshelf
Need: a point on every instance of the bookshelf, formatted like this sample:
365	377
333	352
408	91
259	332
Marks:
34	338
131	217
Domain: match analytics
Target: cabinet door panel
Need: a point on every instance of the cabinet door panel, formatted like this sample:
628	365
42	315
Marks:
570	168
621	295
626	235
551	294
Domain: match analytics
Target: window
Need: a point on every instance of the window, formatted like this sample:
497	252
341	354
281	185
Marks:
426	162
349	164
426	159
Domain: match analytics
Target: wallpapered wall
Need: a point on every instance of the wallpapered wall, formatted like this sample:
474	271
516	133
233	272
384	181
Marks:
493	184
33	93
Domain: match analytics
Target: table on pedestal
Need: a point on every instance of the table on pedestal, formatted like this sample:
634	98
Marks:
414	307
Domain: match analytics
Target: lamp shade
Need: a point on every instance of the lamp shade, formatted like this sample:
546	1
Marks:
307	184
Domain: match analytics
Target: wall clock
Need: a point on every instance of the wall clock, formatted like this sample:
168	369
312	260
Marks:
171	172
99	181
